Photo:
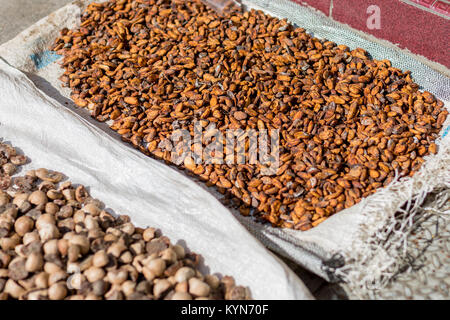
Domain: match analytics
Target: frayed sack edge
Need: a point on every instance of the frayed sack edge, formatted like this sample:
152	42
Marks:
375	256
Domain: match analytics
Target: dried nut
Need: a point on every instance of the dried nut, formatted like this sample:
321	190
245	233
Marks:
13	289
148	274
20	251
133	274
63	247
128	287
57	291
4	198
109	237
198	288
212	281
9	169
116	249
40	294
20	198
4	273
114	294
65	185
54	194
5	181
31	173
239	115
17	270
149	234
23	225
86	263
81	241
144	287
157	266
181	296
41	280
126	257
51	267
38	198
46	186
117	276
91	223
179	250
79	216
51	208
161	287
169	255
137	248
155	246
65	212
30	237
18	160
57	277
68	194
95	233
76	281
25	207
4	260
9	243
51	247
48	232
100	259
32	247
94	274
113	232
46	175
127	228
131	100
184	274
91	209
99	288
35	262
81	194
45	220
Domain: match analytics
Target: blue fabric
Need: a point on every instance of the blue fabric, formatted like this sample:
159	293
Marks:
43	59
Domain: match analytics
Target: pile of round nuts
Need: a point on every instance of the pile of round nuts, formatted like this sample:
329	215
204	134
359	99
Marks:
57	243
348	124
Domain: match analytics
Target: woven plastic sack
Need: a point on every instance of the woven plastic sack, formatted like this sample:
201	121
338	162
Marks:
357	245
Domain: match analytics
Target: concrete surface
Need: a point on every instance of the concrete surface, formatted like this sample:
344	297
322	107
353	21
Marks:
17	15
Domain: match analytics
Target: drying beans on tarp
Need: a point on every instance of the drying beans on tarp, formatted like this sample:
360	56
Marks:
57	242
348	124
